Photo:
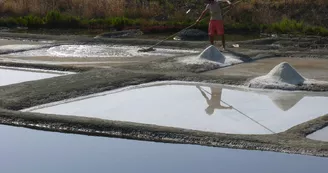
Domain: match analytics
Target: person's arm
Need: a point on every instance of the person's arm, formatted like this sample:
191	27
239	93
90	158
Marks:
203	13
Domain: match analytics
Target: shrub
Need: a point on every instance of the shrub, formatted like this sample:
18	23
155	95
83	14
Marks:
295	27
55	19
33	21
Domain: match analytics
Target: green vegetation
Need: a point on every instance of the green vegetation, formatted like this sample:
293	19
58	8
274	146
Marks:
56	20
287	26
273	16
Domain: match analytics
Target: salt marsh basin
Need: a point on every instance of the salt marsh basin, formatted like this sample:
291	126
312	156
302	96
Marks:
204	107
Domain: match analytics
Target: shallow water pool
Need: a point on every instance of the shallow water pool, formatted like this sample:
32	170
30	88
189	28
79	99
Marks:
320	135
197	106
10	75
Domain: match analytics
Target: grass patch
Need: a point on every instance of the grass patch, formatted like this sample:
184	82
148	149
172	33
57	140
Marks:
57	20
287	26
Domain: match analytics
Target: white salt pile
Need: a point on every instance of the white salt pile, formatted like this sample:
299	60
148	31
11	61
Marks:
212	55
286	73
282	76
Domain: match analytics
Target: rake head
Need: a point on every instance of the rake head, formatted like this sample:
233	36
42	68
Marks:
146	50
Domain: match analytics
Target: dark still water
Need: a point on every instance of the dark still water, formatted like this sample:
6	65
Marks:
30	151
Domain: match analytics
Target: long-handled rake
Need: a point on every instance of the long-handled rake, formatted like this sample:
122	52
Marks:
151	48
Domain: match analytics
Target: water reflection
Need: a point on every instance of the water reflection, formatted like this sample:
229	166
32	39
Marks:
285	101
215	101
282	100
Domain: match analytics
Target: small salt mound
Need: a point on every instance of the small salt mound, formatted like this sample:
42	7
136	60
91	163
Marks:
281	75
211	55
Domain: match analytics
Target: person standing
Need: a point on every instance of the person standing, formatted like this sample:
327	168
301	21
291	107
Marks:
216	26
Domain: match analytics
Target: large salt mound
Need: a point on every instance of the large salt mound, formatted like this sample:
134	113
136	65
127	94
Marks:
283	76
212	55
280	76
286	73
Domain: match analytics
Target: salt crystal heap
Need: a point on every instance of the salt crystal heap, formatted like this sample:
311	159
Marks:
281	75
212	53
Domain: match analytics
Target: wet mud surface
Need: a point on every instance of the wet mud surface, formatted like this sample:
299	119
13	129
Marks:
176	64
258	57
311	68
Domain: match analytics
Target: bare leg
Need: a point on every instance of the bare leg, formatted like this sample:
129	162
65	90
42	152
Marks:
212	39
223	42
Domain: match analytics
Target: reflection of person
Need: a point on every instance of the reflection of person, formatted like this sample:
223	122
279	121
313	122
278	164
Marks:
215	101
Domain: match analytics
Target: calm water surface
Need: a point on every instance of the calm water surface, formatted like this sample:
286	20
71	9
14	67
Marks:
30	151
204	107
